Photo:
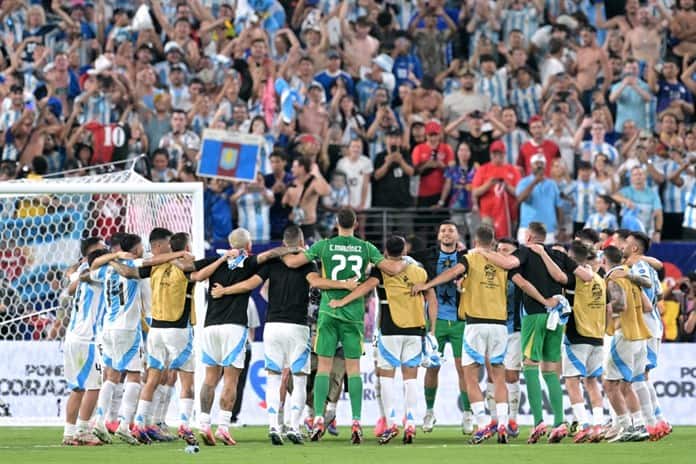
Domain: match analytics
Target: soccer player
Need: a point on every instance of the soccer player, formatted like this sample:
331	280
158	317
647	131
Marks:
628	353
82	367
483	304
448	327
342	257
286	334
402	327
121	336
582	354
225	329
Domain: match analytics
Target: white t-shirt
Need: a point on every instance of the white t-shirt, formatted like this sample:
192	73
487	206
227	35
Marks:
355	174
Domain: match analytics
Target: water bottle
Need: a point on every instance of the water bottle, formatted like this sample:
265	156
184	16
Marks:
192	449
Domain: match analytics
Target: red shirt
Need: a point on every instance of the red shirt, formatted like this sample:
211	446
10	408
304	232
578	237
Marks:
432	182
530	148
497	203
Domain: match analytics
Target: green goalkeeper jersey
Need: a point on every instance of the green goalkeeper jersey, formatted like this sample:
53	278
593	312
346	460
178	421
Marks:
344	258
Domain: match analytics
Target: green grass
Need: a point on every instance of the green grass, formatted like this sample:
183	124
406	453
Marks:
444	445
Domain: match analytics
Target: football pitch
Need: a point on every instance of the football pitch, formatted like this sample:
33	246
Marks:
444	445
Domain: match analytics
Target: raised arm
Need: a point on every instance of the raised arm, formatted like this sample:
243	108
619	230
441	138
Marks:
105	259
277	252
362	290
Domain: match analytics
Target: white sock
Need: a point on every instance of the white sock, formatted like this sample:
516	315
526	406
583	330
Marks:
273	398
646	406
131	392
115	404
106	394
69	430
598	416
412	389
83	426
513	399
143	415
637	418
388	399
224	419
378	397
655	402
204	420
501	410
330	410
490	401
623	421
298	400
160	414
479	410
156	401
580	413
186	406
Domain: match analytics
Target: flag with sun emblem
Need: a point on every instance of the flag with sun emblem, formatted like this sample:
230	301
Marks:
229	155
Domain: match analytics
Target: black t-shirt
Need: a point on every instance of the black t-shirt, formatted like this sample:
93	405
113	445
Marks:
230	309
533	269
392	190
386	323
479	146
288	291
182	322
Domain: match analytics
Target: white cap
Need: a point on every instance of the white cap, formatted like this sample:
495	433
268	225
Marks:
384	61
538	158
171	45
100	65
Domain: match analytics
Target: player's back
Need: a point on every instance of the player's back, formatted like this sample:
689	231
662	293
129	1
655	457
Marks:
122	298
288	292
398	308
653	319
484	290
86	310
588	321
633	325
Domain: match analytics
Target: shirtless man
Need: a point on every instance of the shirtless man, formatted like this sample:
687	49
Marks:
303	194
682	25
624	22
426	101
314	118
644	41
591	59
359	46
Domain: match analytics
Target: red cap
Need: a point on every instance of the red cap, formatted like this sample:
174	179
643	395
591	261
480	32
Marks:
432	127
498	145
536	118
308	138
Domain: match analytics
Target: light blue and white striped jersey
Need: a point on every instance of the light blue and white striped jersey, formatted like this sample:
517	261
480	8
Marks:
606	149
254	215
8	118
673	196
526	20
527	101
652	319
15	23
690	202
599	221
553	7
513	142
122	297
377	144
450	85
96	108
86	311
494	86
583	195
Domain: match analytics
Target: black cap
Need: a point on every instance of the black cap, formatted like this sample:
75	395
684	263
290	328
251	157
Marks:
394	131
476	114
16	88
584	165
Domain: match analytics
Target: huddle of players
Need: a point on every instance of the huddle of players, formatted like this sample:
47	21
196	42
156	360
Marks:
109	312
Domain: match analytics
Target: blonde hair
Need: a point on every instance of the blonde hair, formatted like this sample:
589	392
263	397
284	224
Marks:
239	238
36	9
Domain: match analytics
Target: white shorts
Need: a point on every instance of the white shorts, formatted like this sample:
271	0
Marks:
224	345
626	360
513	355
582	360
122	350
286	345
82	368
483	341
399	350
654	344
170	348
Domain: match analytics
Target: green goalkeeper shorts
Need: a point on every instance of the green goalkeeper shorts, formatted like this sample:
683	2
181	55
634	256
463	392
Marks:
538	343
331	331
451	332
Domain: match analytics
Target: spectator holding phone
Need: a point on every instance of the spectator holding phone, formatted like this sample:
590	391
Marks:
540	201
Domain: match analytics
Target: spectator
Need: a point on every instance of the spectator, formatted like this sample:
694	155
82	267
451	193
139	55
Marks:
456	193
333	71
334	201
253	201
430	160
358	170
478	140
630	96
303	195
465	100
429	40
181	143
540	200
537	145
407	67
278	181
512	136
161	172
672	94
583	193
393	170
218	211
644	201
591	60
602	219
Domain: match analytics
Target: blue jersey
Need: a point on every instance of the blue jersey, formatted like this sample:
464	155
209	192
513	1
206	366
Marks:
87	310
583	196
446	293
673	196
122	297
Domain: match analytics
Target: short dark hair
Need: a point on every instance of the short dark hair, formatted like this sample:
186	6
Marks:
416	242
587	234
116	239
160	151
88	243
179	241
447	222
129	242
159	233
642	239
580	251
346	218
613	255
94	255
179	110
622	233
485	235
306	163
39	165
607	231
395	245
278	153
510	241
537	229
292	235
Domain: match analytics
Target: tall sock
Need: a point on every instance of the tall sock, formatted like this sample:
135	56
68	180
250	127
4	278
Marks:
637	418
430	393
83	426
204	419
330	411
69	430
298	400
623	421
104	400
224	419
553	384
655	402
513	399
115	404
411	393
321	390
355	390
157	397
378	397
531	376
185	410
143	415
464	401
479	410
131	392
490	401
502	413
161	414
388	399
598	416
646	406
580	413
273	399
